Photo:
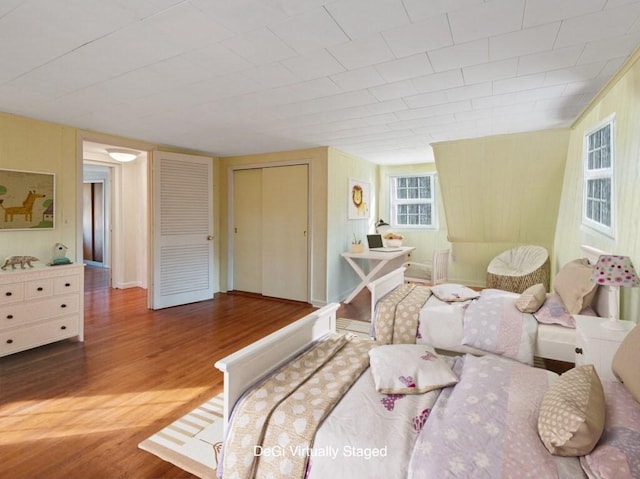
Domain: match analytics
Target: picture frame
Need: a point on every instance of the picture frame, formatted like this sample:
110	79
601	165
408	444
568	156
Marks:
27	200
359	200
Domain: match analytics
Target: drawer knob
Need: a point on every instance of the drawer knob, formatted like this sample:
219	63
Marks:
40	288
8	293
9	316
9	341
578	350
63	327
63	305
67	284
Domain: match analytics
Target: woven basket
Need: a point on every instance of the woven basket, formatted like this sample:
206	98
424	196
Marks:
522	276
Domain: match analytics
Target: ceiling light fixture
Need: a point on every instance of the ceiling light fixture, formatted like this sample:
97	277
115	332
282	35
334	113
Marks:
121	155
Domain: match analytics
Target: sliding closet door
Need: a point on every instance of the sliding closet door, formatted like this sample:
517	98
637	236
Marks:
284	232
247	230
270	217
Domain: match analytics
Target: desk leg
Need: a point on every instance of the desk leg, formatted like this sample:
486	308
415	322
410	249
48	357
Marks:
366	279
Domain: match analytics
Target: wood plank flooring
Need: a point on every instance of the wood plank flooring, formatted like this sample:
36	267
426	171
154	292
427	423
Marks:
78	410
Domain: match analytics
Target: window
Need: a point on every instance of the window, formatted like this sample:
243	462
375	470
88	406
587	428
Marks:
413	201
598	178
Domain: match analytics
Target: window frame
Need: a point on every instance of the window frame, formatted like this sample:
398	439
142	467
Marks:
394	202
599	173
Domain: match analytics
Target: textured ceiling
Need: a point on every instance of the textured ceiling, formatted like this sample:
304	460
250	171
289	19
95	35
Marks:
380	79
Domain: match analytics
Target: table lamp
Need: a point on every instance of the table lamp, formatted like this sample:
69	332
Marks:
382	227
614	271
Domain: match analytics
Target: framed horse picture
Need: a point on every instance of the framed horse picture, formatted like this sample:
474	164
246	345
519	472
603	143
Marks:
26	200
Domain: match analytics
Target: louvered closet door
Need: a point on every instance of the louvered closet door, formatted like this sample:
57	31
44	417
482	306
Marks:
182	229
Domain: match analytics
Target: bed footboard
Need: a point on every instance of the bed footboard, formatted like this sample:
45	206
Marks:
383	285
244	367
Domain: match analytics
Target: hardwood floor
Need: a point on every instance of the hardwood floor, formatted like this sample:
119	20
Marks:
78	410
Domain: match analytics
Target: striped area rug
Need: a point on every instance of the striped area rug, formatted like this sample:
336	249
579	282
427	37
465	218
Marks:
192	442
359	328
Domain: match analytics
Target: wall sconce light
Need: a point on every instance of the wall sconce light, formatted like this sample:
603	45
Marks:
121	155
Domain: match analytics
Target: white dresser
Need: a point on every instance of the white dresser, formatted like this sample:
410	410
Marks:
40	305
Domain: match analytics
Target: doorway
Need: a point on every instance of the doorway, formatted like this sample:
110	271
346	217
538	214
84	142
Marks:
114	216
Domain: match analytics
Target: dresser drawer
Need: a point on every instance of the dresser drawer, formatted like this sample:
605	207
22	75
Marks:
67	284
11	293
23	313
15	340
39	288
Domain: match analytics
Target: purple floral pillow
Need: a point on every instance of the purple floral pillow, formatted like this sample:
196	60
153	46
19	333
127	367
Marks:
409	369
553	311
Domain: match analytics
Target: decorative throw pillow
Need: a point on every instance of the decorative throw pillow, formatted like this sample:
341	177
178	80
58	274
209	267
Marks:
554	312
626	360
574	285
572	413
532	298
453	292
409	369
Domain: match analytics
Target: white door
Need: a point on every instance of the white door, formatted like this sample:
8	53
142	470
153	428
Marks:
182	229
284	232
247	230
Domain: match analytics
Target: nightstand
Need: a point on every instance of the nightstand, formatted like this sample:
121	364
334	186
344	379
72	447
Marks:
597	345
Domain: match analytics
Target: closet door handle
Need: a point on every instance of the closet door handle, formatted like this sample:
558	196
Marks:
578	350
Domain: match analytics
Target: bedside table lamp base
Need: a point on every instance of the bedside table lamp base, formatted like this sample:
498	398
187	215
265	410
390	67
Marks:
614	325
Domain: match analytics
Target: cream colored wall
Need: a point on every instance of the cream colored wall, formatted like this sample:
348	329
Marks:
32	145
340	230
424	240
500	192
317	158
622	98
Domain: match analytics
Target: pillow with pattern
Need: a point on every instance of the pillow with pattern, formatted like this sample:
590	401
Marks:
572	413
409	369
450	292
553	311
532	298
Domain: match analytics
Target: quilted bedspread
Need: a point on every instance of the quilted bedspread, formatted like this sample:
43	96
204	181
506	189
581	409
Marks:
398	312
492	323
486	427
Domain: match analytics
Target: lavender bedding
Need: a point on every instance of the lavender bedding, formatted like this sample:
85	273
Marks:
486	426
490	323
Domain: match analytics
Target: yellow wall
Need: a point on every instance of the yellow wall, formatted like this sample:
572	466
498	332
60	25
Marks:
424	240
622	98
500	192
32	145
318	207
340	229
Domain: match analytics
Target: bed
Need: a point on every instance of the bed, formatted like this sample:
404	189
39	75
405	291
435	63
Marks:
507	411
441	323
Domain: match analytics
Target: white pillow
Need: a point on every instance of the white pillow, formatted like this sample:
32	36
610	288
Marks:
409	369
453	292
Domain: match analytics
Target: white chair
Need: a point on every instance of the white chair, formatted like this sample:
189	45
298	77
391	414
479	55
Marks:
432	272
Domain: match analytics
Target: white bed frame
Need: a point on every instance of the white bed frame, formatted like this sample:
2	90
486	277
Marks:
244	367
605	304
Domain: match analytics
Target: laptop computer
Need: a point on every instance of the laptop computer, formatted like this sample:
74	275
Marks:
375	244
